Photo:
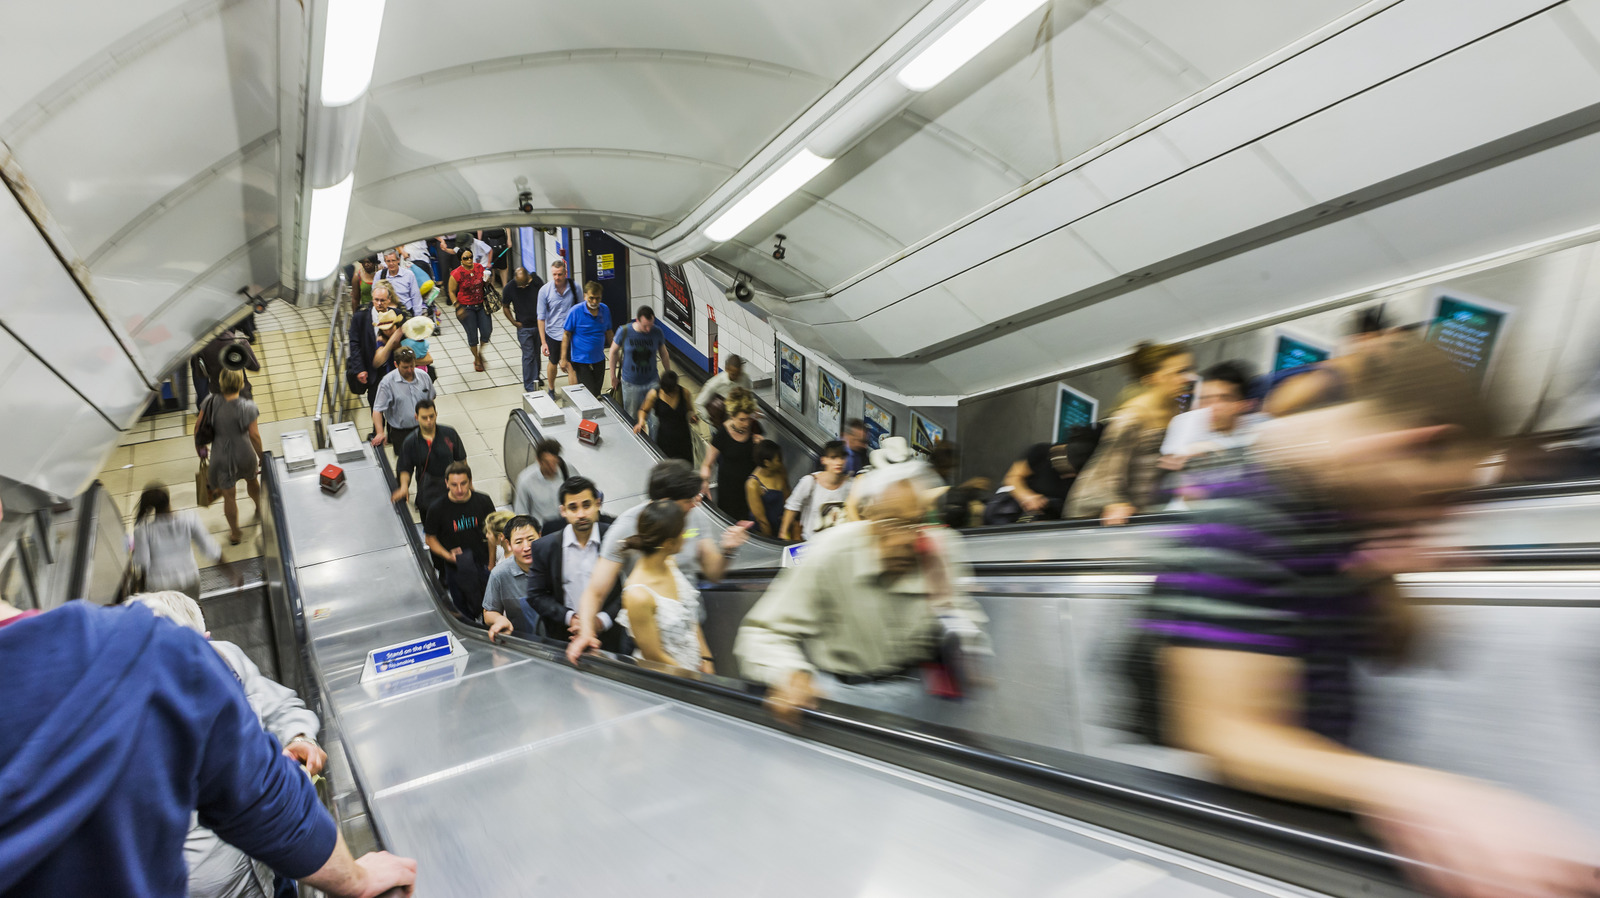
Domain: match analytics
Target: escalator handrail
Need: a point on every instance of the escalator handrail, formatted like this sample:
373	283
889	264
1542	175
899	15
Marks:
83	537
1321	837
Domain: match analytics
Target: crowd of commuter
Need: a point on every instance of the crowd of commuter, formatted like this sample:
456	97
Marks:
1266	602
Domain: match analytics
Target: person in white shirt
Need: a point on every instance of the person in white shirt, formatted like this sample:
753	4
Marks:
719	386
1222	418
818	500
161	544
539	483
562	563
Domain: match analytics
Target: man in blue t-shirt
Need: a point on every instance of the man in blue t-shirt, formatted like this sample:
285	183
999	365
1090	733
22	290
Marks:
636	349
585	336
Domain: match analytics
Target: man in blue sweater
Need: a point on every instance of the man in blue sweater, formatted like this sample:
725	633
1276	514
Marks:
119	725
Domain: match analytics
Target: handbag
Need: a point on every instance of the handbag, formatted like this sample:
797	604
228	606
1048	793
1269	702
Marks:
204	430
204	495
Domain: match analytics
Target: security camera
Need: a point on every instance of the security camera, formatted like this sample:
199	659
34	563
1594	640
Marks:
258	303
525	202
778	252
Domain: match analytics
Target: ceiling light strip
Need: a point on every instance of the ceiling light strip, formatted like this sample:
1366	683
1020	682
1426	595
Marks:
772	190
956	47
349	49
330	206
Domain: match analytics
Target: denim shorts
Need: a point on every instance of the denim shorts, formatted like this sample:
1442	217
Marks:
478	323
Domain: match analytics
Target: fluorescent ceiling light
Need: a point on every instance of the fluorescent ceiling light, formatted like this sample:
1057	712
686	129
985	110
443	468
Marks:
981	27
786	180
349	48
330	206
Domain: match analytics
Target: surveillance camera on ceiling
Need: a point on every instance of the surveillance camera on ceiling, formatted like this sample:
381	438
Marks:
525	202
778	252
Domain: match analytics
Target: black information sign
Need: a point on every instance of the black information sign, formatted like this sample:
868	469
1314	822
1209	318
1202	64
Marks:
676	306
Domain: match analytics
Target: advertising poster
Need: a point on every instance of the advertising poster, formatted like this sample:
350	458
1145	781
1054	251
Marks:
790	368
879	422
1467	330
924	433
1073	409
1292	352
830	401
675	304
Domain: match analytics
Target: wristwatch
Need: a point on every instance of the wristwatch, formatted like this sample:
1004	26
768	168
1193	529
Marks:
303	738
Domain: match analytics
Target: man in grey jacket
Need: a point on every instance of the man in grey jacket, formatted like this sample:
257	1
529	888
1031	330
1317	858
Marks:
217	869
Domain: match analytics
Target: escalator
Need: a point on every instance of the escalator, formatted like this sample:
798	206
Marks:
510	772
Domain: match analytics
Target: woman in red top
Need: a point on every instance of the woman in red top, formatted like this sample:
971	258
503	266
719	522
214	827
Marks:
466	291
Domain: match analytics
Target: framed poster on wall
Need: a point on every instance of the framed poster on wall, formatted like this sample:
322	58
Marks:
878	420
830	401
1467	329
924	433
676	305
1073	409
1290	350
791	373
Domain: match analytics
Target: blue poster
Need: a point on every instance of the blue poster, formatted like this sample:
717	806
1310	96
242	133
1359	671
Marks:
924	433
879	422
1466	331
790	367
1291	353
1073	409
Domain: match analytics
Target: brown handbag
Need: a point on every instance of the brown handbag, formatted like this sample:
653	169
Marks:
204	495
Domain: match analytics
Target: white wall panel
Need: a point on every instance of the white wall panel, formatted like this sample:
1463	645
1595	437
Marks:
1043	270
931	315
1219	37
54	439
1113	327
162	118
1515	79
1134	166
44	307
824	37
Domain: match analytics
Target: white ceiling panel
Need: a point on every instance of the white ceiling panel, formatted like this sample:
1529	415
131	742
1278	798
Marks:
40	52
1219	37
841	243
1037	272
165	115
892	190
649	188
1396	39
715	113
931	315
965	370
851	341
1134	166
1231	194
195	306
1111	327
1515	79
824	37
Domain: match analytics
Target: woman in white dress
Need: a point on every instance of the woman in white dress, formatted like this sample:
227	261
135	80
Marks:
661	607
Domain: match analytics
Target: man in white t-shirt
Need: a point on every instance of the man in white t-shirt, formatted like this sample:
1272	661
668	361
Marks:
818	500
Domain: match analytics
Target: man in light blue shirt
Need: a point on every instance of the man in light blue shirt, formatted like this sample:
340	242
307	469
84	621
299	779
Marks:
556	299
587	334
404	282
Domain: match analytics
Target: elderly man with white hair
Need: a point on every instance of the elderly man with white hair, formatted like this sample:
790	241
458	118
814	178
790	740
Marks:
868	605
217	869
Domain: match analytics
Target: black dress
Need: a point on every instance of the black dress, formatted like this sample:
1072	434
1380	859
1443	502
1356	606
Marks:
672	427
736	461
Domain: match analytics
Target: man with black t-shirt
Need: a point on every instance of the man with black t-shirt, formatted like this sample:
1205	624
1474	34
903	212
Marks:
454	530
520	300
1040	479
425	457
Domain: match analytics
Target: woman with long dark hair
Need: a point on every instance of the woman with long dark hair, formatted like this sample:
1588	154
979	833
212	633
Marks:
674	409
161	541
663	607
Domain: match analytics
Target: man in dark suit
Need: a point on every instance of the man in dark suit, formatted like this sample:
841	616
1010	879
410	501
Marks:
368	358
562	561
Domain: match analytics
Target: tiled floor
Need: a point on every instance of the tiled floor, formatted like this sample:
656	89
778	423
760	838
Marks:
290	344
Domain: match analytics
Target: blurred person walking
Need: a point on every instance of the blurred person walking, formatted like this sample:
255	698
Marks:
869	603
662	607
1120	479
233	452
713	395
672	405
361	283
162	553
1279	581
539	485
